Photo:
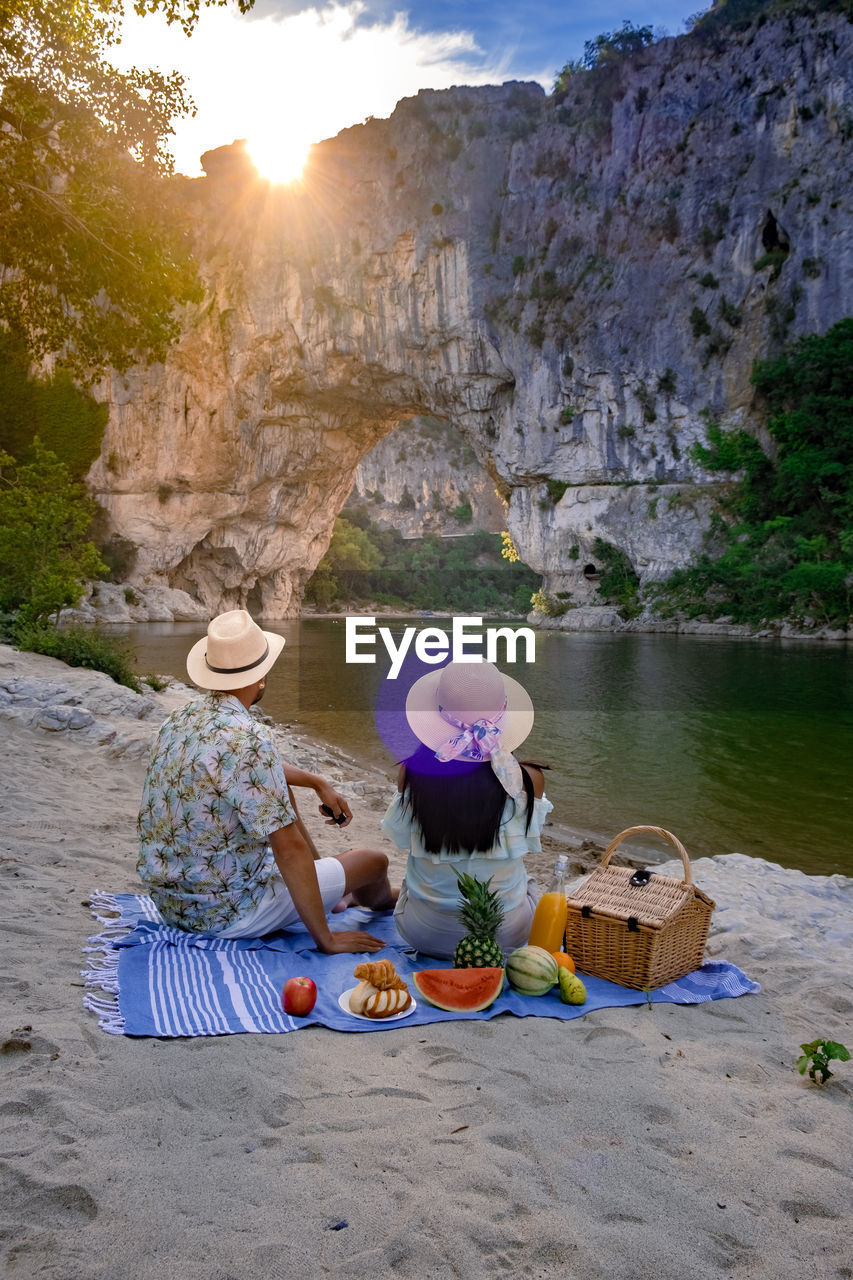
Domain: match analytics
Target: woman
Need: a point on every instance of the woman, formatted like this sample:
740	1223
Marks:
465	803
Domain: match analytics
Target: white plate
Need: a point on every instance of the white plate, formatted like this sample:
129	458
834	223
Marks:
343	1002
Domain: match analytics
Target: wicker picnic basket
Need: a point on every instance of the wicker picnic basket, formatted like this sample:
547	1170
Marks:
636	928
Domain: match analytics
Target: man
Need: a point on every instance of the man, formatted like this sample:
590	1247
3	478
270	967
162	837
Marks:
222	850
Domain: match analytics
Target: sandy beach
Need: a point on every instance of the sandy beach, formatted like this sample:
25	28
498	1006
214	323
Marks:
670	1142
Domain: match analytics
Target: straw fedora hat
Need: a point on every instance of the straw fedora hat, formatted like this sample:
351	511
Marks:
234	653
468	691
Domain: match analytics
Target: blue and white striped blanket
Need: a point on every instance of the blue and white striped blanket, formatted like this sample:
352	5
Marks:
148	979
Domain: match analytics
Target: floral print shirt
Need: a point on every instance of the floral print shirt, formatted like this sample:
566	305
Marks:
215	790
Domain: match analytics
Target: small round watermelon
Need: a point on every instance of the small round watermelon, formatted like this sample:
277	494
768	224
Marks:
459	990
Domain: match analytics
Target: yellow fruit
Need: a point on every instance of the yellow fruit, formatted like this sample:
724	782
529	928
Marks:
572	990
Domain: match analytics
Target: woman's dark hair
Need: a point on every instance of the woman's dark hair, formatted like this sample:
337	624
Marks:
458	805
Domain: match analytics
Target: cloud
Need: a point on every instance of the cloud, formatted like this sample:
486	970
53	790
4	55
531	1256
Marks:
300	76
304	71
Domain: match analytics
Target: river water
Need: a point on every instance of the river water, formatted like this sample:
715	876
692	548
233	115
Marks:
735	746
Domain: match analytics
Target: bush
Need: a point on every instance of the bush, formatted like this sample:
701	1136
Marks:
556	489
67	421
155	682
785	546
46	556
699	323
618	582
548	605
774	259
730	313
80	647
606	50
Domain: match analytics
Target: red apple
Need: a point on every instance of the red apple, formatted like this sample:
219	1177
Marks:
299	996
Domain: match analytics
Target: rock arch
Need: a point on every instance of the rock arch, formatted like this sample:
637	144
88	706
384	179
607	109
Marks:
489	257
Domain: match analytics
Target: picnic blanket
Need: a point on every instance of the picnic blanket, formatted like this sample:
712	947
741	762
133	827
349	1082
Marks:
145	978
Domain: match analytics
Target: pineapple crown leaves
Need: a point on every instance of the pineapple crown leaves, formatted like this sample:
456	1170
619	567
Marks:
481	911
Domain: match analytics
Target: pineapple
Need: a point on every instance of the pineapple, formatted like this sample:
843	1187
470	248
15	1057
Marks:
481	912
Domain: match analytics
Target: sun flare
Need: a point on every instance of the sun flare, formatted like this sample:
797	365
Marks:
278	157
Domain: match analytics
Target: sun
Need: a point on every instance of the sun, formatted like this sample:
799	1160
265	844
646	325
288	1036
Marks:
278	156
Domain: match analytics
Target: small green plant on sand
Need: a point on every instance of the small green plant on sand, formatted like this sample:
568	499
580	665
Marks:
817	1056
155	682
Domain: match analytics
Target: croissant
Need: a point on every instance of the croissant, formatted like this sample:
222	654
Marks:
384	1004
380	973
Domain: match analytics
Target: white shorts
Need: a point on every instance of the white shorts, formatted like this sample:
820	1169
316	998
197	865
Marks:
276	909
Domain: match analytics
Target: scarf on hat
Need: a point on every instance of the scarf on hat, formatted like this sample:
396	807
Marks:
482	741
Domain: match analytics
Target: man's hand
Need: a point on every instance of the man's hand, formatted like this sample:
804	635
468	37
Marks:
351	940
328	796
294	861
326	793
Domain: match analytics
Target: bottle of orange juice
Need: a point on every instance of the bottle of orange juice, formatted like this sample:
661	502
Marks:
549	923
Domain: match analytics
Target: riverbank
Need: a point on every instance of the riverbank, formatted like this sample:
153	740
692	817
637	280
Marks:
116	604
677	1142
591	618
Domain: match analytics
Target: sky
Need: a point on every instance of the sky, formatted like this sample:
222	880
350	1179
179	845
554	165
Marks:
292	72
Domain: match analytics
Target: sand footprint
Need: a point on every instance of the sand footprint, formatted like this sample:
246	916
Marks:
807	1158
23	1043
607	1042
799	1209
30	1203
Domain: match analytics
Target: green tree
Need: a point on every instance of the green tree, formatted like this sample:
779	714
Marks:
350	555
66	419
784	546
619	583
605	51
94	240
46	556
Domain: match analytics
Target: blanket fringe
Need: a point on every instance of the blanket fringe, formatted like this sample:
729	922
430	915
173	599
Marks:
99	902
102	974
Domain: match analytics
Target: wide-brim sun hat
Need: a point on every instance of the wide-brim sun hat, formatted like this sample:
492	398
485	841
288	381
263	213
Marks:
234	653
468	691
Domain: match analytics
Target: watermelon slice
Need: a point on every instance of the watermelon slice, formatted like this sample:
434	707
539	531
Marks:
459	990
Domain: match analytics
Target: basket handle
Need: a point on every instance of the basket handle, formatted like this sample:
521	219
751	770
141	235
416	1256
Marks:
655	831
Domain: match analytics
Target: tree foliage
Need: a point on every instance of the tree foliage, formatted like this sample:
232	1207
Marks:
46	556
463	574
68	421
605	51
94	241
785	548
619	582
724	16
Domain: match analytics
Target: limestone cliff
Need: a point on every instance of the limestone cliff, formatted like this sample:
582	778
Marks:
425	478
572	282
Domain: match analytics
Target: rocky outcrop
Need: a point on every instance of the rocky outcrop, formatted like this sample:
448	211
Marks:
426	479
576	282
